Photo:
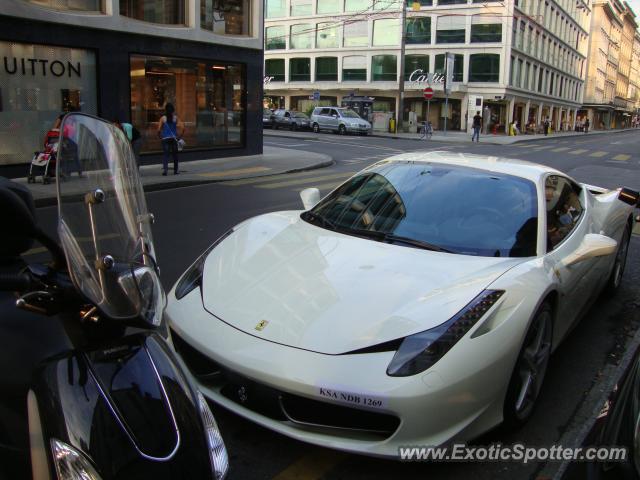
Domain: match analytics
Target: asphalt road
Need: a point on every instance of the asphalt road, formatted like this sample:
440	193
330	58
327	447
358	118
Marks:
189	219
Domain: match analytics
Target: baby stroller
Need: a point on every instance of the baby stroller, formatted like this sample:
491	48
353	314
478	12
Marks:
44	163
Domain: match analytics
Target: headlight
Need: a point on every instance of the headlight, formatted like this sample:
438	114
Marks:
192	278
71	464
420	351
217	450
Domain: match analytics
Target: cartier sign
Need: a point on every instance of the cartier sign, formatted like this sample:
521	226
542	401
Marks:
420	76
41	66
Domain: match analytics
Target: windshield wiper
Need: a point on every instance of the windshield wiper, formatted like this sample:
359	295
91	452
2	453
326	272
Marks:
309	215
391	238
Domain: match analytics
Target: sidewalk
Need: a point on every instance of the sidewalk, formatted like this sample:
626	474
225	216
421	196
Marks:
273	161
453	137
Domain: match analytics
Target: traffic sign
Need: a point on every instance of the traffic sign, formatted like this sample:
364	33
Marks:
316	95
428	93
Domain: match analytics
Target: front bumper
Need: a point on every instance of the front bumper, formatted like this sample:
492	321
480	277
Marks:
358	129
457	399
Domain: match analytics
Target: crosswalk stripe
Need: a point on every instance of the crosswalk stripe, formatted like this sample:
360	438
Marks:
324	186
303	181
251	181
544	147
578	151
622	157
598	154
561	149
527	145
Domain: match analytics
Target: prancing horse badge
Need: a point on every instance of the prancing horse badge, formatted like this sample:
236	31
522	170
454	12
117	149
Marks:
261	325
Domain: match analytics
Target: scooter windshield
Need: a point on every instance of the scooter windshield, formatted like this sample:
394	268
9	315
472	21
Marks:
104	225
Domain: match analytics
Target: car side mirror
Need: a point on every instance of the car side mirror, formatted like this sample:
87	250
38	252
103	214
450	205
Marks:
310	197
593	245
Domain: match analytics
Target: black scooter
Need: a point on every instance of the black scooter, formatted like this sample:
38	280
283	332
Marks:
89	386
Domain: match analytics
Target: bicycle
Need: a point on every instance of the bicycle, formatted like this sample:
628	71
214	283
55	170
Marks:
426	131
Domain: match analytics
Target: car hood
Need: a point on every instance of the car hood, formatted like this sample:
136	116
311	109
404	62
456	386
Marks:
282	279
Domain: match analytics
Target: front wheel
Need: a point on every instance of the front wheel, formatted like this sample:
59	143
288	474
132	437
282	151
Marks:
316	128
619	263
530	369
342	130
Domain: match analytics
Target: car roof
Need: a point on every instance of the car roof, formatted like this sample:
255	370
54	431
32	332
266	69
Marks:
509	166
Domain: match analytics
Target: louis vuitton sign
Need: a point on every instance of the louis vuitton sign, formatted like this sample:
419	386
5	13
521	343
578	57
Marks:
41	67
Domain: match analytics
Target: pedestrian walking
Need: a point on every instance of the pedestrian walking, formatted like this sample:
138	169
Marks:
586	125
168	132
546	125
477	125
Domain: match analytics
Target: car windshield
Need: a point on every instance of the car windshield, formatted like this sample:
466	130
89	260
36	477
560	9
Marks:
349	114
435	206
299	115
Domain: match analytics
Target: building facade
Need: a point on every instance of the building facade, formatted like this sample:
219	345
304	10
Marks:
125	59
612	85
516	60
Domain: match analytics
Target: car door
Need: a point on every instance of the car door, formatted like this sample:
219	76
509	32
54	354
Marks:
323	118
567	221
334	119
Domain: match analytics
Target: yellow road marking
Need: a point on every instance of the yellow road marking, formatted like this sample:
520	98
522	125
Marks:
527	145
561	149
622	157
271	178
37	250
289	183
578	152
324	186
544	147
239	171
598	154
312	466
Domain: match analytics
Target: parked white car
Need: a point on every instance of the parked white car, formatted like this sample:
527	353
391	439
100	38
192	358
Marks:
340	120
416	303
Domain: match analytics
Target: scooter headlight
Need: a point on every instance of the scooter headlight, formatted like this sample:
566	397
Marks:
419	352
192	278
217	450
72	464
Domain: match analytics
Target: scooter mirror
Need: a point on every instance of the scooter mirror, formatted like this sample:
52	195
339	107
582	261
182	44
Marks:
16	205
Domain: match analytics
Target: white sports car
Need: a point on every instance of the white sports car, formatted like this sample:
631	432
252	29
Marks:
417	303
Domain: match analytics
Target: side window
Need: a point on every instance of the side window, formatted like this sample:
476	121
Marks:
325	111
287	115
563	209
334	112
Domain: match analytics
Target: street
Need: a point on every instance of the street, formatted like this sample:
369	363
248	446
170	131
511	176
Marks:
189	219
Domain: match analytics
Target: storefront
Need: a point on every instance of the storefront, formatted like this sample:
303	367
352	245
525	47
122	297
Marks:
437	109
216	89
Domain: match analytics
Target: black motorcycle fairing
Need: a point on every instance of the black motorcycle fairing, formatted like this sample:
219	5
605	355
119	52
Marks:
104	404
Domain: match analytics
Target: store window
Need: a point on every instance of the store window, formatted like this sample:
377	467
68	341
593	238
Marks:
231	17
327	35
486	33
458	66
37	83
275	8
301	7
484	67
418	30
326	69
274	38
354	68
73	5
209	98
301	36
421	3
386	32
384	68
413	63
356	5
164	12
356	34
451	29
300	70
329	6
451	2
274	68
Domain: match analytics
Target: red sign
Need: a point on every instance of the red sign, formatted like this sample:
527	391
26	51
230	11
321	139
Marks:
428	93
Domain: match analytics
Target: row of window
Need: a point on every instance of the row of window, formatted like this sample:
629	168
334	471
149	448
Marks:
483	67
228	17
386	32
537	78
297	8
562	19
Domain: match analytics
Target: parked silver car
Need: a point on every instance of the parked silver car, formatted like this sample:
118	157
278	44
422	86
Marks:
341	120
267	118
290	119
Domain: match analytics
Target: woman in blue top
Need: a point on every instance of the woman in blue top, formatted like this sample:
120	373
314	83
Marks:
168	132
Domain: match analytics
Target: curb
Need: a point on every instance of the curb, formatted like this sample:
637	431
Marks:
156	187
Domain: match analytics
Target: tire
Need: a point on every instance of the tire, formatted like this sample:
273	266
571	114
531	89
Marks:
316	128
293	127
615	279
530	369
342	130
